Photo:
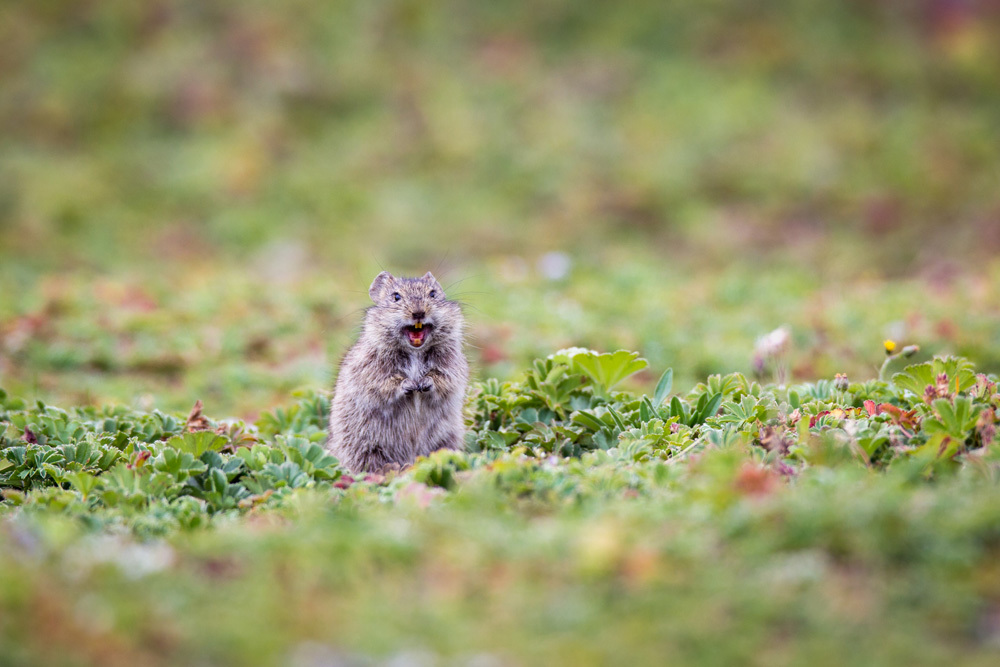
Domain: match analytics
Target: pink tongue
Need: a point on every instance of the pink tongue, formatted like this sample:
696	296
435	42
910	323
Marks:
416	337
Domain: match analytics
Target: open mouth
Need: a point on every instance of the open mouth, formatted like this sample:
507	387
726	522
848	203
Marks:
417	333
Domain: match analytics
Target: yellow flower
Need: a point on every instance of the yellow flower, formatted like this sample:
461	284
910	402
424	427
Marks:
890	346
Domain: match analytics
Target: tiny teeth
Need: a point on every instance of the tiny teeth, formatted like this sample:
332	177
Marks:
418	325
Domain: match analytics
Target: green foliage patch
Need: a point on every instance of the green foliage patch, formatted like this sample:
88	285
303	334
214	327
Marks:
549	434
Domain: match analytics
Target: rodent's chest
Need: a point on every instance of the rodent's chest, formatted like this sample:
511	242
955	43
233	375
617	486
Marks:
414	367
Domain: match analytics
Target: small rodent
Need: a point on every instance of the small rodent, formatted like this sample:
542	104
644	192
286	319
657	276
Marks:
401	387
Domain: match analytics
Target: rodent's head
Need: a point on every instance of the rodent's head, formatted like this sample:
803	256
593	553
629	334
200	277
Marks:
413	311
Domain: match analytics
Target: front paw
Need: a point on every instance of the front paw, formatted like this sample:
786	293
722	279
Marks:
422	385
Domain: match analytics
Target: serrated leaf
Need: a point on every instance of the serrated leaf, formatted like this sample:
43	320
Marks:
179	465
607	370
197	443
83	482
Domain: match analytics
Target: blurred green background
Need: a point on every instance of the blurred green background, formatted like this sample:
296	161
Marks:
195	195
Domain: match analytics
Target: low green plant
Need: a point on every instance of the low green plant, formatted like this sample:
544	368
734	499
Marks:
549	434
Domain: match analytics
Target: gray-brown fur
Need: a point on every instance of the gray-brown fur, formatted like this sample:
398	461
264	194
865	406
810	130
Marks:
393	401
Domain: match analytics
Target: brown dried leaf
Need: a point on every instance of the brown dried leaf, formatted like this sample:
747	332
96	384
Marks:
197	421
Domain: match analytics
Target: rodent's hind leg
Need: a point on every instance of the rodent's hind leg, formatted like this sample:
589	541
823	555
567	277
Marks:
394	467
444	441
375	461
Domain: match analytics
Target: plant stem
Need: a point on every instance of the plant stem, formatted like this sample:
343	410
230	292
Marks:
885	366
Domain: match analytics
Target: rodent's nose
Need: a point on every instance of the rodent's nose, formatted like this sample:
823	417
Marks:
418	314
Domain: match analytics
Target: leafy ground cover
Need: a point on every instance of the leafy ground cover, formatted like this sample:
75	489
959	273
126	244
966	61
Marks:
827	521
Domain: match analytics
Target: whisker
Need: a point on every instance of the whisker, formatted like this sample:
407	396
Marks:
469	306
462	280
438	267
467	296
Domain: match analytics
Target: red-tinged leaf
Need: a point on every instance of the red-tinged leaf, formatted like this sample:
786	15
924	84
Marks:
755	480
870	408
900	417
815	418
420	494
344	482
139	459
29	437
944	446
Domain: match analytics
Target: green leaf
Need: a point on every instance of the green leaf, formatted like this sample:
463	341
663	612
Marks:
619	420
179	465
604	440
82	481
607	370
663	387
955	419
939	448
287	474
916	377
197	443
57	474
793	399
588	420
709	409
678	409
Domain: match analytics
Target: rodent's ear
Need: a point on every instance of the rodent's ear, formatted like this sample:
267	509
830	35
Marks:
430	277
379	285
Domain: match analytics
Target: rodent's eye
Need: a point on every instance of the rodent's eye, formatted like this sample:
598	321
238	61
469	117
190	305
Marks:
396	296
433	293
